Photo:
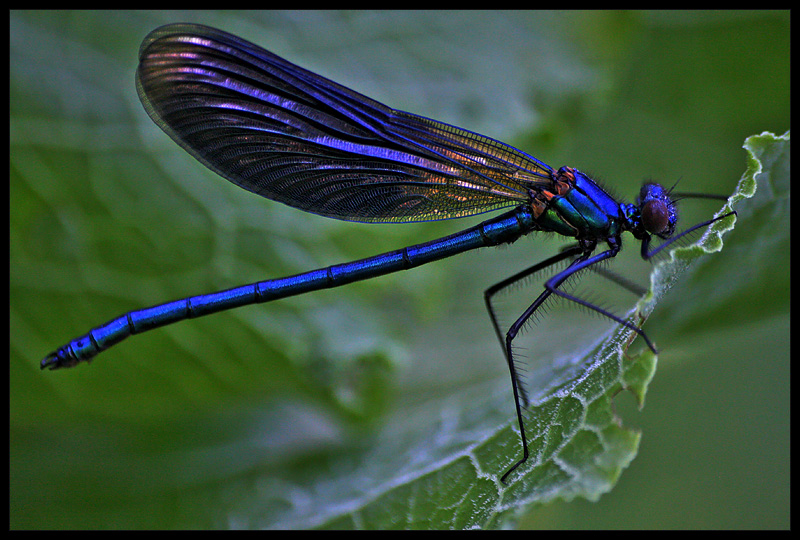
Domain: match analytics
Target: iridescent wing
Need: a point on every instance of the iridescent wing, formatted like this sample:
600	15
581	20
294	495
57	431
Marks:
295	137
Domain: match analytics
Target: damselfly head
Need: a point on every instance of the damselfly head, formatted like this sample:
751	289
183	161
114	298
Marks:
659	215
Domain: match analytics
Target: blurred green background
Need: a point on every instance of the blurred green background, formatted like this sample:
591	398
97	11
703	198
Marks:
199	424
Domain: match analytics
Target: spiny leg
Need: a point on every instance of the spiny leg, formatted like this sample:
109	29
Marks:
581	264
551	287
514	330
489	293
568	251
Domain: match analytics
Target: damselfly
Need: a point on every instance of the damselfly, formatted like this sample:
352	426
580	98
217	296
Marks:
295	137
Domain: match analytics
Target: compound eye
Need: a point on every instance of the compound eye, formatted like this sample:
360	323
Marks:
655	216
